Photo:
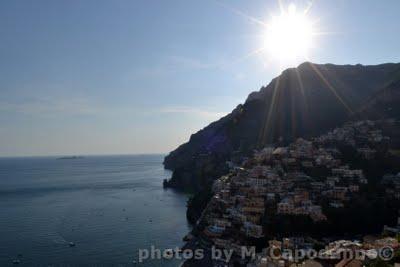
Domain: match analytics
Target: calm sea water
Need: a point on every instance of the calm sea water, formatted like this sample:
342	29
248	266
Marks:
108	206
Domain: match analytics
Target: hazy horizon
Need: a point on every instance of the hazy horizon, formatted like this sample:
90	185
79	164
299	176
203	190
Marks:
139	77
82	155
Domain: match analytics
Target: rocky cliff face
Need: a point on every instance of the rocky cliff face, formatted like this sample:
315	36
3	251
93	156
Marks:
303	101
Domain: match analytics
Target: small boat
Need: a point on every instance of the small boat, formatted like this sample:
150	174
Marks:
71	244
71	157
16	261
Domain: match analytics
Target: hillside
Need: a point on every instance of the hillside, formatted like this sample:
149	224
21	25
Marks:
303	101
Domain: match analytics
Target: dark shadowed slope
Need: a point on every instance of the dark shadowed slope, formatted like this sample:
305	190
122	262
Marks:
303	101
383	104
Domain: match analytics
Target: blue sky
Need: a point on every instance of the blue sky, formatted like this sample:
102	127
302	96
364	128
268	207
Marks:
123	77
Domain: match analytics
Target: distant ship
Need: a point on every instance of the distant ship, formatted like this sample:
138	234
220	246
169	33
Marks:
71	157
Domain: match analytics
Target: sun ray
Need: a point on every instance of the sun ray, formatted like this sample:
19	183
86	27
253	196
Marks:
264	134
300	81
241	13
309	6
326	33
281	8
246	56
331	88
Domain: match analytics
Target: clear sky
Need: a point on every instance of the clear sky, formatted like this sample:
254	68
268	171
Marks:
130	76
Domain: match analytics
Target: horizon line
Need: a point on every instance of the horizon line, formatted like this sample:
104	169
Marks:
83	155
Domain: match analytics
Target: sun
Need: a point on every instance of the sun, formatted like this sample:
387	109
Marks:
289	36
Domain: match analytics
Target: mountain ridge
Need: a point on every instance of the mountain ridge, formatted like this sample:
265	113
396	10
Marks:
301	102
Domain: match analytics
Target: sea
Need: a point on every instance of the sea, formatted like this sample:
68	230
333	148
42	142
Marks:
109	207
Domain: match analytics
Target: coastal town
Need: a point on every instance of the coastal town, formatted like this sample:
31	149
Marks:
301	180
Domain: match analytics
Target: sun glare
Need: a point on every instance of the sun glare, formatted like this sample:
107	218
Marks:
288	37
